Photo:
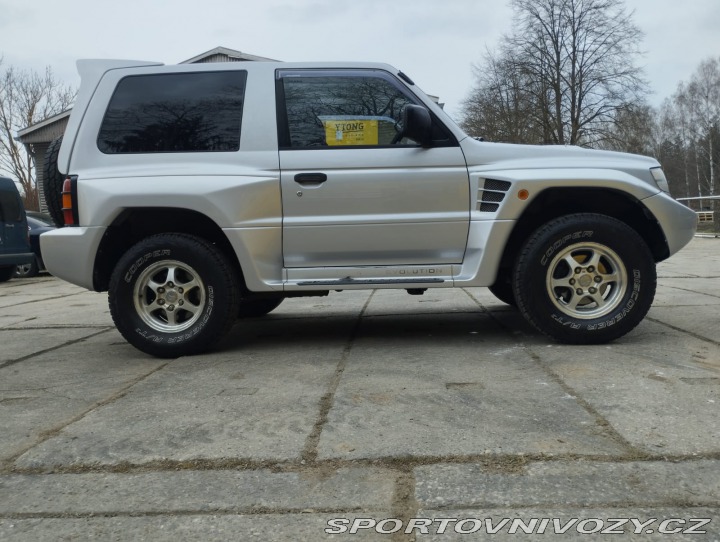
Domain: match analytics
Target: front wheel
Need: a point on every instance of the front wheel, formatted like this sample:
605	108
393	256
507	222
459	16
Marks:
172	295
585	279
27	270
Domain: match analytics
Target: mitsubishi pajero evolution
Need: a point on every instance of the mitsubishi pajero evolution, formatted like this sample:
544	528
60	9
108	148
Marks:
197	194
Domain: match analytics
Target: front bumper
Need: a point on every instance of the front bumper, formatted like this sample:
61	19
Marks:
69	253
678	223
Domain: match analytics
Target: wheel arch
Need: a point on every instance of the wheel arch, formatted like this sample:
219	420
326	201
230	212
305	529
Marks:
554	202
133	225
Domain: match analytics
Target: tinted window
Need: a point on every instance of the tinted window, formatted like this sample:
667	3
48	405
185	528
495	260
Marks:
10	209
342	110
186	112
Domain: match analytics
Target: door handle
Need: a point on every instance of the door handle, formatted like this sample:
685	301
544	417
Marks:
308	179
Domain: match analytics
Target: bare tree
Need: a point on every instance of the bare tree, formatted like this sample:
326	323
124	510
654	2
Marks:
26	98
632	130
498	108
577	61
688	132
703	99
672	138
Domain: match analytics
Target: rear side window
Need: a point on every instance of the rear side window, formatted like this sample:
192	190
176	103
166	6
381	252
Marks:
10	210
182	112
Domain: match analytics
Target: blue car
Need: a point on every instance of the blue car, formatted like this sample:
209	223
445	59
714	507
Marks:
38	223
14	235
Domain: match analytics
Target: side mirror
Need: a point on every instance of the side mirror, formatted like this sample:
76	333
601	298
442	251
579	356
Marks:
417	124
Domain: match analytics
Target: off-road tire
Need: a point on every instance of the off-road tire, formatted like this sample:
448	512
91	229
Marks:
53	182
28	270
173	295
585	279
253	308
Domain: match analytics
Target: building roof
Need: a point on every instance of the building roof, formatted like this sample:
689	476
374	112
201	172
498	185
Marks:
223	54
46	130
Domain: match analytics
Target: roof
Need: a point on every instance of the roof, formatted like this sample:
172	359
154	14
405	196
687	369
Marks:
230	55
46	130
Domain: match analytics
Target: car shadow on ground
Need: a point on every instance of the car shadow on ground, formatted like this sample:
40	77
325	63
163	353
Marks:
411	330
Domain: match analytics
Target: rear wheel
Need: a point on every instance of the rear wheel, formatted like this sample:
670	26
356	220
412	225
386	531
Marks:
173	295
585	279
27	270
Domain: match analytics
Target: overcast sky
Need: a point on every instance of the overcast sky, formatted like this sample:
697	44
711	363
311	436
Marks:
434	41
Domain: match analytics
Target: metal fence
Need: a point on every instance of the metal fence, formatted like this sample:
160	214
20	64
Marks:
703	214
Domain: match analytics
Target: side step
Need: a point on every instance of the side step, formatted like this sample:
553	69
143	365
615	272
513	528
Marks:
368	282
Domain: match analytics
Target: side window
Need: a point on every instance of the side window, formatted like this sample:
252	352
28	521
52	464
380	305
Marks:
182	112
10	210
344	110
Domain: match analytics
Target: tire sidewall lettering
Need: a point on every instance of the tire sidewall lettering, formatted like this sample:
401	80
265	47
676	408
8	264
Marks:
548	254
139	262
621	312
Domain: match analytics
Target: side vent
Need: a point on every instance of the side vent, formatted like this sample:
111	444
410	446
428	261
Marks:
491	194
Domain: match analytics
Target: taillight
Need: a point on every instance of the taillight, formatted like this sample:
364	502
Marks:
69	201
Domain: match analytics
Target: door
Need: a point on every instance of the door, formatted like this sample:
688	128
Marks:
355	192
13	229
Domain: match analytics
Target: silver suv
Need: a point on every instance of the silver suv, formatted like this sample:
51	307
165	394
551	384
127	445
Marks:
199	193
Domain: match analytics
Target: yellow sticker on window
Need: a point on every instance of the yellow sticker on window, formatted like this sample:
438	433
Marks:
350	131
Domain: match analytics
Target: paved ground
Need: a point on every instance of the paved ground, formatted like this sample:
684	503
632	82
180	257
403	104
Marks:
365	406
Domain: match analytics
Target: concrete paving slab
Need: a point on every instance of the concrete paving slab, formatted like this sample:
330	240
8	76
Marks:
42	394
259	401
12	318
208	528
17	344
568	483
84	309
201	491
658	388
687	293
700	258
19	291
705	324
431	386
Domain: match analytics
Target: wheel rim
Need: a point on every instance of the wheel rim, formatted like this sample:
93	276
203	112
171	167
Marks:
169	296
23	269
587	281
